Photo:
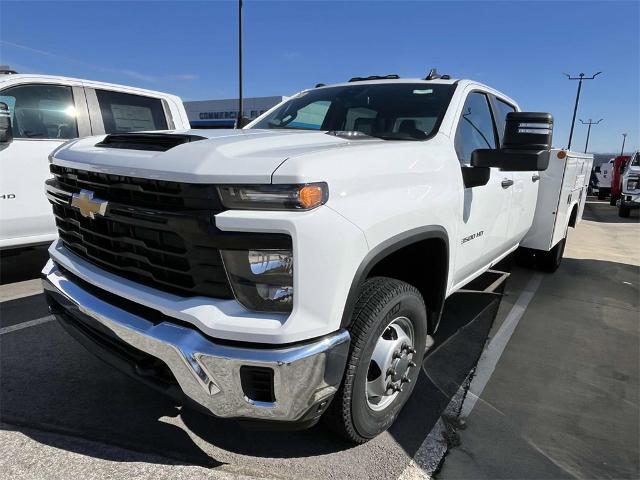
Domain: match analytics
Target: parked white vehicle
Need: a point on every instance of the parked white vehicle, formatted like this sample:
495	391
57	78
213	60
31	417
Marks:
298	266
604	172
630	198
45	112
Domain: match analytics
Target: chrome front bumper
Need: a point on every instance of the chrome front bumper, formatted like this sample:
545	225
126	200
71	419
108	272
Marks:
630	199
305	376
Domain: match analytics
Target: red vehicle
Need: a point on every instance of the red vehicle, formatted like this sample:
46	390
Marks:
619	164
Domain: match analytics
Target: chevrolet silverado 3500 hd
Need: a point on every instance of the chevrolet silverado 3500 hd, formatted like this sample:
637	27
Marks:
296	268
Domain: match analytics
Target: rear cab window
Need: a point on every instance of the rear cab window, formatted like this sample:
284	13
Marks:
125	112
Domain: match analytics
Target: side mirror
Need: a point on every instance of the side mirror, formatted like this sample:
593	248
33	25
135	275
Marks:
6	131
526	144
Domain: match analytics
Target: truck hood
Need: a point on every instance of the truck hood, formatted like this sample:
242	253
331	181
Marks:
632	172
225	156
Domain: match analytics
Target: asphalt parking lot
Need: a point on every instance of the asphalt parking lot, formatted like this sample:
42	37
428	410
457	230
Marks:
545	378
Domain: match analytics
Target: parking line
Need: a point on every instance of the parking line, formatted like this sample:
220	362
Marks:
30	323
434	443
489	359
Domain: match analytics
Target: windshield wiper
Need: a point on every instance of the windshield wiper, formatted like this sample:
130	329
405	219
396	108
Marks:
400	135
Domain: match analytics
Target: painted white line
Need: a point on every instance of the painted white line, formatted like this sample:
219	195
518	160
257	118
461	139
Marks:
433	448
30	323
19	295
489	358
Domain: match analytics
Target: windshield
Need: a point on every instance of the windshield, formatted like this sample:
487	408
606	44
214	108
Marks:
392	111
635	161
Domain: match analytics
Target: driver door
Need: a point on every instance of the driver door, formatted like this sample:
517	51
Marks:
483	231
43	116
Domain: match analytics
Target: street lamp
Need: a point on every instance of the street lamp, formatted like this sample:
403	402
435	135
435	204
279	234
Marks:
240	119
580	77
590	122
624	138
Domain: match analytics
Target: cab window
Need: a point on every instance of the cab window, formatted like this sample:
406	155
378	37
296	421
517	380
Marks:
502	109
125	112
475	127
310	116
41	111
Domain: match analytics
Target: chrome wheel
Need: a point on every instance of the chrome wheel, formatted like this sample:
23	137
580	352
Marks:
391	361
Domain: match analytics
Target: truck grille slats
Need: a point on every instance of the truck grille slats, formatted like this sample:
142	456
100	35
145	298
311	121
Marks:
150	233
140	192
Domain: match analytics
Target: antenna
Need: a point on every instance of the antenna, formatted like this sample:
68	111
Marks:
433	74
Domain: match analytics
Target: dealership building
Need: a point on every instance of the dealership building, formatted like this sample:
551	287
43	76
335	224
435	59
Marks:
223	113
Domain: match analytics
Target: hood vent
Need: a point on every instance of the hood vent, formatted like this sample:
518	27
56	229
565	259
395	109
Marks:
155	142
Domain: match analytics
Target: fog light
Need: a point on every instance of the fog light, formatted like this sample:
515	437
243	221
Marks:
261	280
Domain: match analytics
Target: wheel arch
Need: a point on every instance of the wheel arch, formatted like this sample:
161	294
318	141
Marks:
573	218
391	258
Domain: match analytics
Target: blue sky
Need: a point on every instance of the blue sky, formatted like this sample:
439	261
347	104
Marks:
189	48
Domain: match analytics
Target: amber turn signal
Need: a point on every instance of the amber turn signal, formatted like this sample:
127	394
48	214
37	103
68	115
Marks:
311	196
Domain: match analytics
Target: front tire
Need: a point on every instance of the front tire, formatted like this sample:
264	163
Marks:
624	212
388	342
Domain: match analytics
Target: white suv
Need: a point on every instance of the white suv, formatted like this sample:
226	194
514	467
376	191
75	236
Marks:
44	112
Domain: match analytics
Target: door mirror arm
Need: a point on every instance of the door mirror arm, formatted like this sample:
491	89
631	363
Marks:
475	176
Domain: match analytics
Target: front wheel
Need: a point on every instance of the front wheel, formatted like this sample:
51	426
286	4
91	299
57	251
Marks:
388	342
623	211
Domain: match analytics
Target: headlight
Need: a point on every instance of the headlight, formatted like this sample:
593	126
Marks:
261	280
632	183
274	197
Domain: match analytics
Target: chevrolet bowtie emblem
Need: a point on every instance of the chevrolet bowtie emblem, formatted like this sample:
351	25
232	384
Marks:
89	206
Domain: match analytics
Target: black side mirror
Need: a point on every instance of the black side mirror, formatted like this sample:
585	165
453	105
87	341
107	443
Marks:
526	144
6	131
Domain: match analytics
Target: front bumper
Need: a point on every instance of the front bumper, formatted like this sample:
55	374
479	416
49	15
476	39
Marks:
631	200
304	378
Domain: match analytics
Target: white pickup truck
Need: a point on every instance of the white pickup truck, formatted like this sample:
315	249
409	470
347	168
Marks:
43	112
296	268
630	188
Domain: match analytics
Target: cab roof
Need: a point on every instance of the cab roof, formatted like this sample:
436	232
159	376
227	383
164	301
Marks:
35	77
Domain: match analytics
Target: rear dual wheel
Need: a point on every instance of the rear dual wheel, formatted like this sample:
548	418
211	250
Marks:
388	342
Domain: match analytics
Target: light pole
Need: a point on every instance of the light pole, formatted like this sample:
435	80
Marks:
240	106
590	122
624	138
580	78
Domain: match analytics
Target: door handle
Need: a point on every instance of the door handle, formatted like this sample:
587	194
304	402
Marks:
535	177
506	183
